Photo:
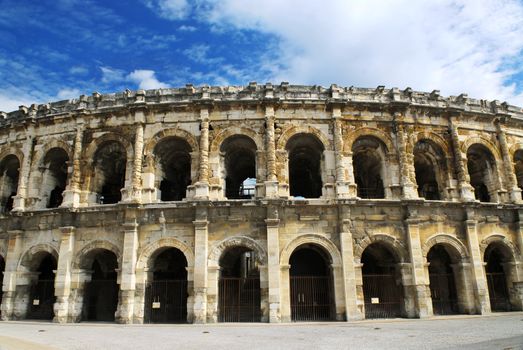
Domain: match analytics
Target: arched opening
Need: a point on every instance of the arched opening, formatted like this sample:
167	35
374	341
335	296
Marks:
382	287
239	160
368	154
54	176
166	293
497	258
482	171
2	271
518	167
101	292
442	281
173	155
312	292
9	172
109	172
305	165
41	295
429	164
239	286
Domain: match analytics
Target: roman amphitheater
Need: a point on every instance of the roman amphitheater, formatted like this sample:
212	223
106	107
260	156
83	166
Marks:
262	203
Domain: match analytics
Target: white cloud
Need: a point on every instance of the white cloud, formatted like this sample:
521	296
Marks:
455	46
78	70
170	9
9	103
68	93
186	28
111	75
198	53
146	79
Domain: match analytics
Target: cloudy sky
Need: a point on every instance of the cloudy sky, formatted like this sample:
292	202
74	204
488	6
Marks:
59	49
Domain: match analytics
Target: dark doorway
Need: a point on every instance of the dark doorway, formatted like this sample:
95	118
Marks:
428	161
305	155
55	176
41	297
481	168
382	288
2	271
109	172
166	294
496	258
311	285
239	287
174	157
240	164
101	293
367	162
9	172
442	282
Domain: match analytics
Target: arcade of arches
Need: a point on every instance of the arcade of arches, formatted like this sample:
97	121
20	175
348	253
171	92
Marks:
260	204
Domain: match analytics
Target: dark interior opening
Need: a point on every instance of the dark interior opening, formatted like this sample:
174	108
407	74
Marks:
367	165
55	163
9	170
2	271
480	166
442	281
42	297
110	162
425	165
496	257
518	166
101	297
305	154
174	155
240	165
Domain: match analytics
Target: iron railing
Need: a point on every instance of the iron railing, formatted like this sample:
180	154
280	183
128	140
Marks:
498	292
41	300
239	299
100	300
383	297
311	298
166	301
443	293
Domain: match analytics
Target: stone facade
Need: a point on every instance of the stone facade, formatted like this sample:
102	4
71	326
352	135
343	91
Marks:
367	178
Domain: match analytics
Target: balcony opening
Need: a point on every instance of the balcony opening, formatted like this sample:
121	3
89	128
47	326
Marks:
305	158
109	172
55	176
9	172
239	158
482	170
427	160
368	154
174	157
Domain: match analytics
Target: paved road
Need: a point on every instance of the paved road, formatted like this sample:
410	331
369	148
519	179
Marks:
500	331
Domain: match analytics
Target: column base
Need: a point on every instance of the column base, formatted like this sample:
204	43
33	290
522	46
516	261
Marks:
200	190
71	199
271	189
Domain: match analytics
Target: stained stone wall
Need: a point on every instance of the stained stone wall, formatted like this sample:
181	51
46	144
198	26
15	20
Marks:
329	130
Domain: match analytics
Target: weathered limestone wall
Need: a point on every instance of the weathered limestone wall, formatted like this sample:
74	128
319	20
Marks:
339	125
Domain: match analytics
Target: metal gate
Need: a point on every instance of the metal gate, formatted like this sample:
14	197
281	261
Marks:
498	292
166	301
100	300
239	299
41	300
382	296
443	293
311	298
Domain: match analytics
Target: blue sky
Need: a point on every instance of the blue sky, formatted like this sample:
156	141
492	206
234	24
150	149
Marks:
54	50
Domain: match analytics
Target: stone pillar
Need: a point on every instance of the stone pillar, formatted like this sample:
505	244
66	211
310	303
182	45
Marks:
352	311
72	192
14	251
125	311
479	279
466	190
201	232
464	290
273	263
420	281
342	185
508	168
271	184
202	186
62	284
136	180
518	282
23	181
285	296
410	189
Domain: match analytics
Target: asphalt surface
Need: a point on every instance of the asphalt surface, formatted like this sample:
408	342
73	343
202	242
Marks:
499	331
